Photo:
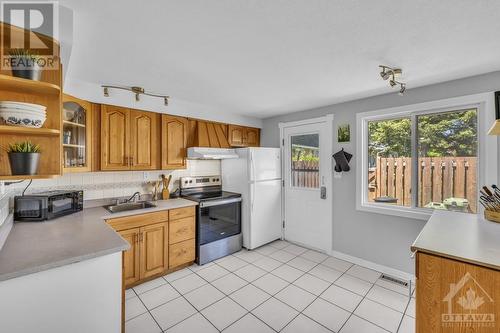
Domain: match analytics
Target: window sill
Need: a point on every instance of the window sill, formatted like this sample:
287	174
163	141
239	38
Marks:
411	213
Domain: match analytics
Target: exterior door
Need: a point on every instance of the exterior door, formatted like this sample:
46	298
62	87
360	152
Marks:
131	257
115	145
144	140
174	142
154	249
307	164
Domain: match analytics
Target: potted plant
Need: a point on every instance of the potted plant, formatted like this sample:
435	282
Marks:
23	158
25	65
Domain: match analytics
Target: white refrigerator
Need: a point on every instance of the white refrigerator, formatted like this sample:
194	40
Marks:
256	174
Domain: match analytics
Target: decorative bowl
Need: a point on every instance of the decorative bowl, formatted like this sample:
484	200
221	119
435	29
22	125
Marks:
22	106
22	118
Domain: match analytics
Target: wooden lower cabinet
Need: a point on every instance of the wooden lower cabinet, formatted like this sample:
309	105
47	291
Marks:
181	253
159	242
181	236
181	230
154	249
456	297
131	266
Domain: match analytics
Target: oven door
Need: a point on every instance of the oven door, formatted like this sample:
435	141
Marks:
218	219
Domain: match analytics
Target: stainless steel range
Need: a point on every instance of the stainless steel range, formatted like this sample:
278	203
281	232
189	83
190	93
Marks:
218	217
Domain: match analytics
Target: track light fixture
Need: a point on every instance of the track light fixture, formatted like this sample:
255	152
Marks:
136	90
392	74
402	89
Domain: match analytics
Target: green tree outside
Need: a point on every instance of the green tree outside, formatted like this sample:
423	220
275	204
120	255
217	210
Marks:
441	134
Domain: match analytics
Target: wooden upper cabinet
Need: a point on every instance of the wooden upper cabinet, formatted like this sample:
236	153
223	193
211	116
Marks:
252	137
115	138
235	136
154	249
174	135
77	134
129	139
241	136
144	135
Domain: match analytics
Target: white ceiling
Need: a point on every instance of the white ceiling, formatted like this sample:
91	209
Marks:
267	57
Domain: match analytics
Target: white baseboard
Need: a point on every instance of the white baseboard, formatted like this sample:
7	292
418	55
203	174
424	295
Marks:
379	268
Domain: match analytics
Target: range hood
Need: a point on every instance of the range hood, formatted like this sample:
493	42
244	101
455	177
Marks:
204	153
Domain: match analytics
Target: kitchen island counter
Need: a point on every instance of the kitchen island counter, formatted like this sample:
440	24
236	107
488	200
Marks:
465	237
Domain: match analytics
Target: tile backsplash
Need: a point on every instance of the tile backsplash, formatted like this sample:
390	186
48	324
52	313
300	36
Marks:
101	185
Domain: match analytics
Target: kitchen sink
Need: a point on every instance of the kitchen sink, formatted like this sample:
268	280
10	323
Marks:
122	207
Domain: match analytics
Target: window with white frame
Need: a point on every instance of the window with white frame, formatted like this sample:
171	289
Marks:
416	159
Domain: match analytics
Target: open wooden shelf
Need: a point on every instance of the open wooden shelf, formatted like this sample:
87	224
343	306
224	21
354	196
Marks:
18	130
11	83
20	177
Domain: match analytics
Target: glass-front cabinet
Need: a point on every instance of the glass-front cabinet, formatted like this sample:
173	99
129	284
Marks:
76	136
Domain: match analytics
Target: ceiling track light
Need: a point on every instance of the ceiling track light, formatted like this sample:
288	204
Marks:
137	91
387	73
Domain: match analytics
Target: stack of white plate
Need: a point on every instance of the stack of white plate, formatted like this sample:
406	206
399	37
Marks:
23	114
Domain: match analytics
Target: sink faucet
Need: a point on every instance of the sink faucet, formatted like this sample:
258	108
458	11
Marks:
133	197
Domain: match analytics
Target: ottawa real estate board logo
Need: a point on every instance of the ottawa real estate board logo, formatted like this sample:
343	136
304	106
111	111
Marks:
28	32
467	305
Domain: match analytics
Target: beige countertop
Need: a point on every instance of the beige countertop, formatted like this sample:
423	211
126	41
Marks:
461	236
37	246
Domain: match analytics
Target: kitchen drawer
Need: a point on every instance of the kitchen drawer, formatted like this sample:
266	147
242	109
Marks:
180	213
181	230
181	253
139	220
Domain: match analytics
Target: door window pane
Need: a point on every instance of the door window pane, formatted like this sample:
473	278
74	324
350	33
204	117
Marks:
305	161
389	161
447	160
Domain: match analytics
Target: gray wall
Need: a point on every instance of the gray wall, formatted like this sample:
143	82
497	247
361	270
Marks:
382	239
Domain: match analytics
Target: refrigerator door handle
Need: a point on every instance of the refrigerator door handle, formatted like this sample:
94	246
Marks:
252	168
252	196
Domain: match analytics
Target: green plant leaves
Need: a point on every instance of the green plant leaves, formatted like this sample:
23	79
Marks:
23	147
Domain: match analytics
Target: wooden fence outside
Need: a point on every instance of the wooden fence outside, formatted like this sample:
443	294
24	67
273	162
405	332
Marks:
305	174
438	178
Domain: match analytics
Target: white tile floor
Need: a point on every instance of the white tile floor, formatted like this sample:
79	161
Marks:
279	287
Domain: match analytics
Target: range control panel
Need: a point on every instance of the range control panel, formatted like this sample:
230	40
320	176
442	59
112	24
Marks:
202	181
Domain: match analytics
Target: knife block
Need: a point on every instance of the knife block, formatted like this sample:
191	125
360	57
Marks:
491	215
